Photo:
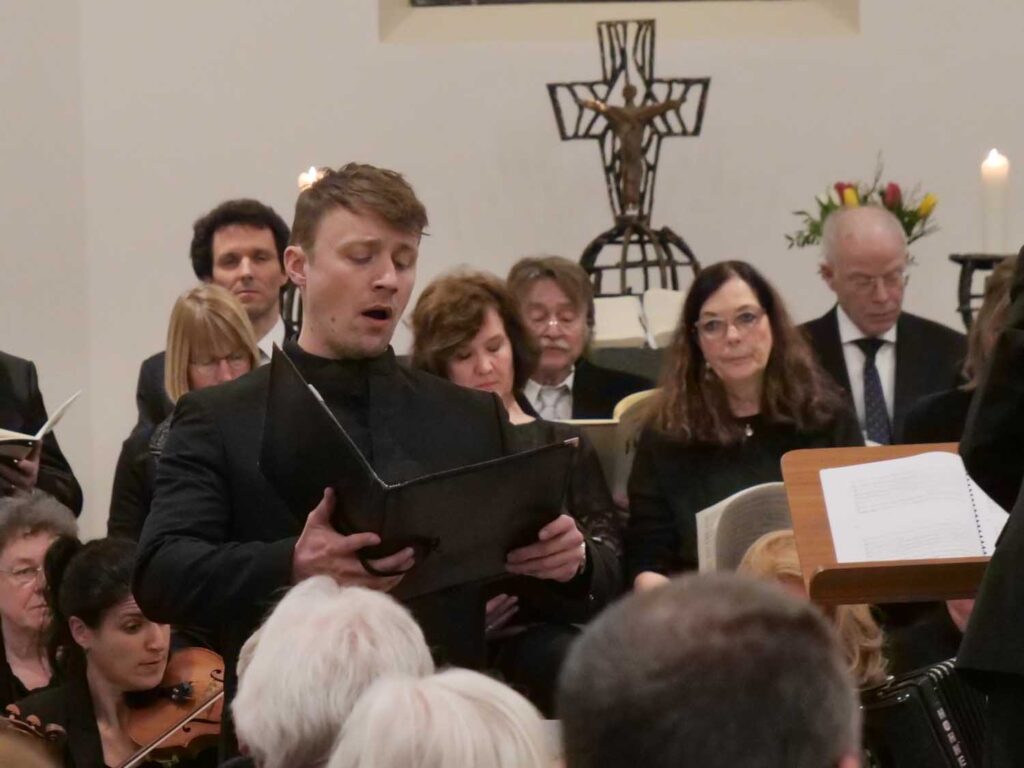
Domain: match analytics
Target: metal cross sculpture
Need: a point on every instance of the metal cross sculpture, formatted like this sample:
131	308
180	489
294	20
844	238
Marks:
630	136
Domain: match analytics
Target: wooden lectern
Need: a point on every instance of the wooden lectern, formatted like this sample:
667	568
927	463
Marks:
894	581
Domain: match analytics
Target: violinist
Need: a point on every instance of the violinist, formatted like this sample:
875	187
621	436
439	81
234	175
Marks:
103	647
28	524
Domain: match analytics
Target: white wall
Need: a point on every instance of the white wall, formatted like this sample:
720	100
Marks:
188	103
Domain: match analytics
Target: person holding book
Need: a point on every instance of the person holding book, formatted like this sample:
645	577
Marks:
209	341
556	300
220	545
467	329
740	389
28	525
22	410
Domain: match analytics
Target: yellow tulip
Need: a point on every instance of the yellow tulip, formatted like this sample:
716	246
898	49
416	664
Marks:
927	205
850	198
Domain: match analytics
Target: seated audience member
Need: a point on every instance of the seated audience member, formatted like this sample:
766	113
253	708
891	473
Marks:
28	524
457	718
101	645
209	341
319	649
239	245
884	358
467	329
774	557
556	300
740	389
940	417
22	410
715	671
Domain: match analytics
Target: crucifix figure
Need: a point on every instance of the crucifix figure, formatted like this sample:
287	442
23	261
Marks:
627	123
630	137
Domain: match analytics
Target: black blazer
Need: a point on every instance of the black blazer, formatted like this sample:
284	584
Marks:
68	706
596	390
132	493
151	397
673	480
216	549
928	359
993	450
22	410
938	418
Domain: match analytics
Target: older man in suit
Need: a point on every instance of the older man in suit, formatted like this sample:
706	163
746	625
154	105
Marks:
219	545
22	410
239	245
886	359
557	303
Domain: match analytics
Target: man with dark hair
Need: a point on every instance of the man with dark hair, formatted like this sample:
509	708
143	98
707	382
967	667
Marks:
239	245
715	671
219	545
557	304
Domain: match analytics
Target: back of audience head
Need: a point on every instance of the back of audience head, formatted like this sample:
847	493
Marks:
865	264
556	300
455	718
209	341
989	321
702	372
449	316
319	649
96	623
709	671
28	525
774	556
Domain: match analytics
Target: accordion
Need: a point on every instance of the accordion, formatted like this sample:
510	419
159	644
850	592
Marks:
928	717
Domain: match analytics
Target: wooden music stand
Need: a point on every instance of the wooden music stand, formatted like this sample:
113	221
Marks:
895	581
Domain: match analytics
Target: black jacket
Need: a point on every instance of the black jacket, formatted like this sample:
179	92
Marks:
993	450
928	359
596	390
938	418
22	410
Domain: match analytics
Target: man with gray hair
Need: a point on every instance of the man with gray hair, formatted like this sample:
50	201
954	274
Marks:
316	653
715	671
886	359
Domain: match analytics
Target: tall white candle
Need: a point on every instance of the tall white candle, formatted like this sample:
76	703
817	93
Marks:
995	184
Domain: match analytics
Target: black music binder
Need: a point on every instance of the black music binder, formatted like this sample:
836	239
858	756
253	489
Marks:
461	522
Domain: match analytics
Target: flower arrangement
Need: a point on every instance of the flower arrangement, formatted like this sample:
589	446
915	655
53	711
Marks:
913	213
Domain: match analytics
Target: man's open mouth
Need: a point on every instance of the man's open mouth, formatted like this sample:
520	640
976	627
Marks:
378	313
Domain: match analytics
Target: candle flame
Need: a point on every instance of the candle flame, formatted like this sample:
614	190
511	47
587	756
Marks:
309	178
994	159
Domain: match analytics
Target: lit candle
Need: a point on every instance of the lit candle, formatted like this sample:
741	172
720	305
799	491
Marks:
995	184
308	178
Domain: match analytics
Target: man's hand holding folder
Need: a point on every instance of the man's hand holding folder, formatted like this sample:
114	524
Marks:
322	551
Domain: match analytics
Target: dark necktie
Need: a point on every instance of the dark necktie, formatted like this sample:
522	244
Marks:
876	416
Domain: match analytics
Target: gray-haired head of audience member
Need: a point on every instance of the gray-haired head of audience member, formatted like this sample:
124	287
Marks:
26	514
319	649
715	671
455	718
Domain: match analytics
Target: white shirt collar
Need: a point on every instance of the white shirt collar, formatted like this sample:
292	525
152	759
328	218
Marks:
274	336
531	387
849	332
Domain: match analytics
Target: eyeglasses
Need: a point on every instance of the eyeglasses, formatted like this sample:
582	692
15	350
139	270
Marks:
716	328
898	278
24	576
237	361
561	319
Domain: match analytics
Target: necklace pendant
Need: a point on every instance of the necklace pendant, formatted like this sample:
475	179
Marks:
748	430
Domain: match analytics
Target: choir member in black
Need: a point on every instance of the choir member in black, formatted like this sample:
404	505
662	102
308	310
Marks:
467	329
220	546
28	524
740	389
209	341
103	646
940	418
22	410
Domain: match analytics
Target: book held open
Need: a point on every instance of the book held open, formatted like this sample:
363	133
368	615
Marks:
15	445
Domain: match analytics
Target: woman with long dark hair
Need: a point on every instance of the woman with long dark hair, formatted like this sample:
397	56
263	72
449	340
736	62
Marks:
740	388
103	647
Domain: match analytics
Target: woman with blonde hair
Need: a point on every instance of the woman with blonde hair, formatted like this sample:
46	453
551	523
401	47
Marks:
774	557
209	341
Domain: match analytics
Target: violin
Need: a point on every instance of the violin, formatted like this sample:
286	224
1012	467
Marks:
30	744
182	716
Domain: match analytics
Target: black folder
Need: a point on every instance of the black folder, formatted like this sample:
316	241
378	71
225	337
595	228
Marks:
461	522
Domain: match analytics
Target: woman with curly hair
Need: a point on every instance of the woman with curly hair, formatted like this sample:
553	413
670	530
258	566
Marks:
739	389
